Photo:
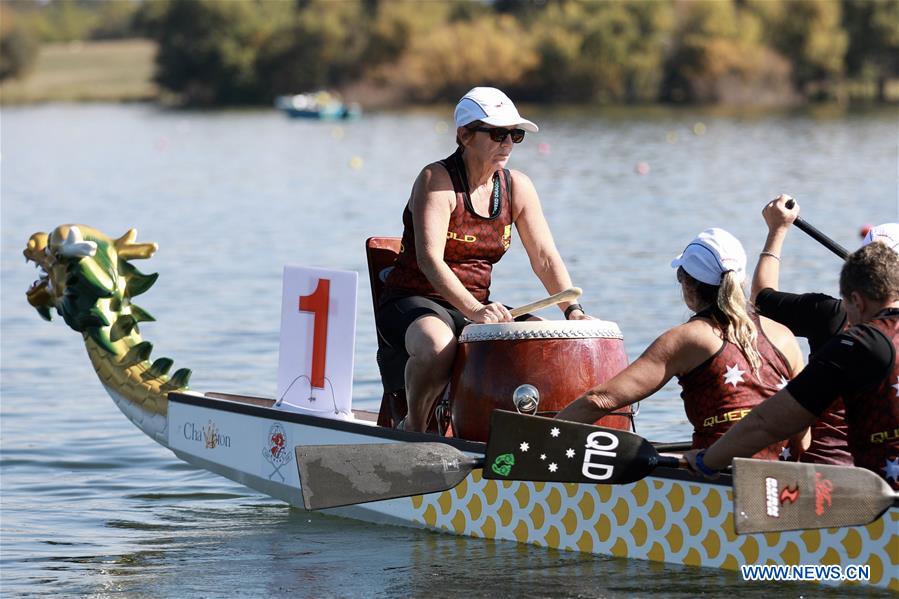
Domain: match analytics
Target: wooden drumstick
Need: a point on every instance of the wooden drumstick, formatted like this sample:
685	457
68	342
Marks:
569	295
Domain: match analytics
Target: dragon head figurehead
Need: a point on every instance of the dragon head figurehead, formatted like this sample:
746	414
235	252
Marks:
89	280
39	293
86	276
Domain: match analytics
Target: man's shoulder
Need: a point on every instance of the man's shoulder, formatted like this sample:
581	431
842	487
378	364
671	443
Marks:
863	344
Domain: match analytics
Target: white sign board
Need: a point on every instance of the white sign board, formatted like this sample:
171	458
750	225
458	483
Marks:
318	336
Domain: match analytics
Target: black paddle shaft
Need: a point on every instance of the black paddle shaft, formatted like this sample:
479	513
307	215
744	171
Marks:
817	235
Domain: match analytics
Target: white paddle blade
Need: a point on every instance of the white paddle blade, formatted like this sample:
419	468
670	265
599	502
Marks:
773	496
337	475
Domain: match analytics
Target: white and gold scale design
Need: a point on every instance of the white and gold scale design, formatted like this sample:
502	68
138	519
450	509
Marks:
656	519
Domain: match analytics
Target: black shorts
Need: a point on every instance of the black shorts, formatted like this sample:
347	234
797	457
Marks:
395	316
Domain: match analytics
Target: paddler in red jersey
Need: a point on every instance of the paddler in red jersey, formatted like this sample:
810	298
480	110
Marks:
456	225
815	316
726	358
860	365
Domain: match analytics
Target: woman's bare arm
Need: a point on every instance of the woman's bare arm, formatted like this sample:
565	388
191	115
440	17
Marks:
546	262
675	352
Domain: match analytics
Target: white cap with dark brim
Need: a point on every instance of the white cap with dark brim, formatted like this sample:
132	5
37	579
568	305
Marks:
492	107
711	254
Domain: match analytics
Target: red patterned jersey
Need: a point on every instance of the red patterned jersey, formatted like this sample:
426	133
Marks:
724	388
474	243
873	415
829	438
818	318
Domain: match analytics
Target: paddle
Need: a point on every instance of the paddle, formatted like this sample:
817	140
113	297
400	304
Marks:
544	449
817	235
337	475
568	295
773	496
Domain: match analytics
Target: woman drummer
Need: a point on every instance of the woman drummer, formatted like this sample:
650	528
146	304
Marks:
456	225
726	359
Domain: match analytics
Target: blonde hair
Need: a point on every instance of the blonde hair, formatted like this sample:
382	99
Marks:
730	311
741	330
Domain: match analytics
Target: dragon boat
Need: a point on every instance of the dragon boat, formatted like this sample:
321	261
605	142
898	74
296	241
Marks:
89	280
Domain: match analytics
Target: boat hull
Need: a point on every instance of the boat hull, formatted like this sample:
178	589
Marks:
667	518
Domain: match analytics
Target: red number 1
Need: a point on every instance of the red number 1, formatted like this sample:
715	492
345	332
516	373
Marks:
317	303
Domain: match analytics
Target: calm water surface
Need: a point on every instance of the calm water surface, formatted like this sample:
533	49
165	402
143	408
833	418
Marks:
91	507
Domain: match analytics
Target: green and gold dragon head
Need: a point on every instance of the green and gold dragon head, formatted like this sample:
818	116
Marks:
89	280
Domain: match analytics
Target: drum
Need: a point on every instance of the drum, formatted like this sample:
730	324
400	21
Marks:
560	359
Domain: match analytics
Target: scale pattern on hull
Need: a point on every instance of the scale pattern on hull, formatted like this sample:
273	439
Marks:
656	519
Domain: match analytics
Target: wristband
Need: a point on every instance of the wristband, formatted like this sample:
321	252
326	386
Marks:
571	309
700	465
770	254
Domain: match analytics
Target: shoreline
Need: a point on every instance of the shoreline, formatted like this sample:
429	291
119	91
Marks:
121	71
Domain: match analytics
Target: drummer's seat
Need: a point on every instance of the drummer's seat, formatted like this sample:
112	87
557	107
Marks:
381	252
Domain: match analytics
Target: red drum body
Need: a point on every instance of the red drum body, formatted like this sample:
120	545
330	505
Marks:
561	359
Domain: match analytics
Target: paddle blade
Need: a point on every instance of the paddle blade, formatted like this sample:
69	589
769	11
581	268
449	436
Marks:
543	449
335	475
771	496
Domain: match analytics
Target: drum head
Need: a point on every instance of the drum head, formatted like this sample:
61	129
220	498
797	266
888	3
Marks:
541	329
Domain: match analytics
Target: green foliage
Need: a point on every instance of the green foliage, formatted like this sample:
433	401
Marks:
207	50
75	20
18	51
810	32
621	51
325	46
447	63
607	52
718	56
872	27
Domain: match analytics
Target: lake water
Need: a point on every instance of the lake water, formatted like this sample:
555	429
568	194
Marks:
92	507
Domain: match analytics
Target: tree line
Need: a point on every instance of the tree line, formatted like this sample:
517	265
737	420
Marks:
216	52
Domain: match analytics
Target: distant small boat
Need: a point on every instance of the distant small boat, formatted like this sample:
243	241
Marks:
318	105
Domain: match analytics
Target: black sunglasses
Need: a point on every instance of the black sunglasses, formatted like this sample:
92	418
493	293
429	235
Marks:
498	134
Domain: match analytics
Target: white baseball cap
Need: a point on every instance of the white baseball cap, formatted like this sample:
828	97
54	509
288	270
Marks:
711	254
887	233
492	107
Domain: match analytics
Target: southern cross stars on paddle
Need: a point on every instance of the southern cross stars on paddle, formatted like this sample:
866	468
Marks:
545	446
892	469
896	386
733	375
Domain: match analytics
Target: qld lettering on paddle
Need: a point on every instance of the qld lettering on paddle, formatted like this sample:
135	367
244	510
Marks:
599	445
